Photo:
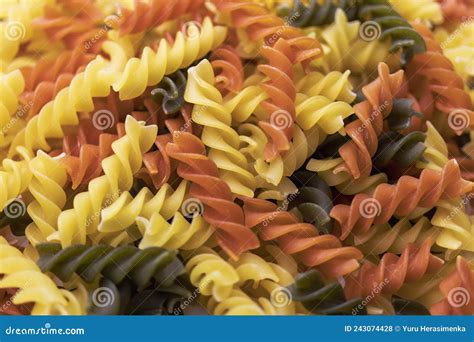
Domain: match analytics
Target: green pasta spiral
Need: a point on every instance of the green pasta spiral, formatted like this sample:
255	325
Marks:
170	92
394	26
116	264
405	150
313	200
125	299
401	114
321	298
314	13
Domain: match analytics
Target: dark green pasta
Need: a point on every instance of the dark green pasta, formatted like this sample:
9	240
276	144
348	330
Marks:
394	26
313	200
404	306
321	298
125	299
117	264
316	14
170	92
405	150
401	114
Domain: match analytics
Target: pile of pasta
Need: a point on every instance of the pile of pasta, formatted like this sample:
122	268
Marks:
237	157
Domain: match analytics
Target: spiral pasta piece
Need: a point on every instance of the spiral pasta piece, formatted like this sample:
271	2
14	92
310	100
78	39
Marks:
228	69
446	86
219	208
74	224
457	289
239	303
400	199
456	10
425	10
393	271
142	267
222	140
153	65
34	287
301	239
385	238
310	289
352	46
391	24
288	48
313	200
148	15
48	76
405	150
85	151
211	274
314	13
78	25
46	186
11	86
370	113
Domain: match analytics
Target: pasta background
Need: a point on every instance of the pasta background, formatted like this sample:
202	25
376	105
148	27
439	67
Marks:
240	157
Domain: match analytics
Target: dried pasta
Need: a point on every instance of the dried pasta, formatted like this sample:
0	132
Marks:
236	157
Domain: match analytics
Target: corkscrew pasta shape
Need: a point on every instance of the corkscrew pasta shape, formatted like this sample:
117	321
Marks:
236	157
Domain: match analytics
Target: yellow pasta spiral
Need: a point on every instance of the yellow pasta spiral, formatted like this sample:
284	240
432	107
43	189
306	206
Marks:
49	179
425	10
15	177
150	68
342	180
34	286
346	49
217	133
212	275
74	224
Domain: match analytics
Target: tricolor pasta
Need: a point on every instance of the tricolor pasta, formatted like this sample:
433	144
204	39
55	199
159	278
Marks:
243	157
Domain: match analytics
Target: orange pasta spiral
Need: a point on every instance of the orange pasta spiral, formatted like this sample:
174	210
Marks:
435	72
370	113
228	69
81	24
457	10
399	199
145	16
220	210
302	239
44	80
393	271
458	290
284	47
85	152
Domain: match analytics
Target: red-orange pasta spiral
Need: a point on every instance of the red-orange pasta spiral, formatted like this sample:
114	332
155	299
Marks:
220	210
48	76
284	47
228	69
85	152
158	166
301	239
80	25
457	10
364	131
433	72
8	308
393	271
399	199
458	290
145	16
